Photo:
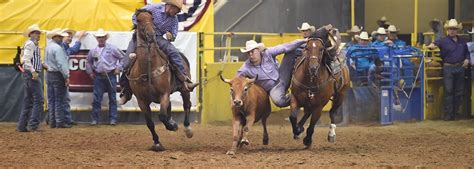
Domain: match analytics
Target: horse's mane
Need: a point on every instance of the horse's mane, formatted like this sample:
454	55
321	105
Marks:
138	11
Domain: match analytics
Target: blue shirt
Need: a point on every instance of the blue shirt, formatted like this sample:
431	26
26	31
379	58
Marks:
353	52
56	59
452	52
267	71
378	43
104	59
399	43
163	23
71	50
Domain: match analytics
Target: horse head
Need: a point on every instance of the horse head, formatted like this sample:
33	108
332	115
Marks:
145	29
239	87
320	45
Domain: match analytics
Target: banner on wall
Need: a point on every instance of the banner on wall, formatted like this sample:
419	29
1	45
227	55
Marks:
81	85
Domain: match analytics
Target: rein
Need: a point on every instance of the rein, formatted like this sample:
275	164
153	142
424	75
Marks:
148	44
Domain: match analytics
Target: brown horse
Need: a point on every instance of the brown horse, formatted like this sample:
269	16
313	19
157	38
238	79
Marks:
152	80
313	84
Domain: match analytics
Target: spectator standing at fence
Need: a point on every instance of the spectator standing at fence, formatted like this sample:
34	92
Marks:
354	34
33	100
71	50
57	79
381	35
104	64
455	55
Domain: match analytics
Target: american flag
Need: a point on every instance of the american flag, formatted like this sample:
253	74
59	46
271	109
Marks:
195	10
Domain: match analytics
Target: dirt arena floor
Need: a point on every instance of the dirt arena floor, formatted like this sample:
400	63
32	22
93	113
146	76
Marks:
422	144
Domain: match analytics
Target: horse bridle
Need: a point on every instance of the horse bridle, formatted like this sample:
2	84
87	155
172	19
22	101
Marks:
311	89
148	45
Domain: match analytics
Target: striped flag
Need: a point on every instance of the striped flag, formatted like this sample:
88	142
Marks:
195	11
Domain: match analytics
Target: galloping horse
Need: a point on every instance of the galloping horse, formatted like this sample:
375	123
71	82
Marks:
151	79
314	83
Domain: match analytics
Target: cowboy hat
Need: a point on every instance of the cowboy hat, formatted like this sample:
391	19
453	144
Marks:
250	45
435	20
381	31
177	3
383	18
354	29
56	32
364	35
101	33
452	23
30	29
392	28
305	26
67	30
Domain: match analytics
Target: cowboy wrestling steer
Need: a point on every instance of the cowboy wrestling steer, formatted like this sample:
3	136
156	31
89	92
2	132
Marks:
250	103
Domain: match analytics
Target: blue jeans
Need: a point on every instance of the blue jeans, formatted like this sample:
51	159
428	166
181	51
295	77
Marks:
103	84
172	52
278	92
32	103
165	46
67	113
57	92
453	78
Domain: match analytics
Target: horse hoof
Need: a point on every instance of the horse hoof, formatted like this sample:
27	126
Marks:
265	141
157	148
296	137
171	126
230	152
332	139
244	141
307	142
298	131
189	132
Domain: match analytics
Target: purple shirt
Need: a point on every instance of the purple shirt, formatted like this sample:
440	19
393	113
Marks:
267	71
452	52
163	23
104	59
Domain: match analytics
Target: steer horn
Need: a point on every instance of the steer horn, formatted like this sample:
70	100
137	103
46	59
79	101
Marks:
253	79
224	80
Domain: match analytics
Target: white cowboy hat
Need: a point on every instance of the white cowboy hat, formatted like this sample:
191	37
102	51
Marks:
383	18
177	3
56	32
30	29
364	35
67	30
101	33
392	28
306	26
435	20
381	31
355	29
452	23
250	45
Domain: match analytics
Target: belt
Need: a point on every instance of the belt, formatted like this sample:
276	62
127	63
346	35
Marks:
105	74
453	64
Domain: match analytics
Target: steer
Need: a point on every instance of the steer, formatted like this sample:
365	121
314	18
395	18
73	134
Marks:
250	103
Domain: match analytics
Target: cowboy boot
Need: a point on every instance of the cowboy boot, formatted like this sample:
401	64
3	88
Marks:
188	85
